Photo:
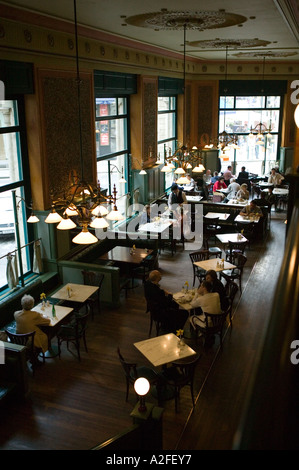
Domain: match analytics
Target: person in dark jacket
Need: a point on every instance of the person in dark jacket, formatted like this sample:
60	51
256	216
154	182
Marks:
177	196
217	286
162	303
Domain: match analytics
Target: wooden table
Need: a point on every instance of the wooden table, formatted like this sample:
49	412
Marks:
78	292
212	264
193	198
156	227
163	349
247	219
231	237
125	254
220	215
62	316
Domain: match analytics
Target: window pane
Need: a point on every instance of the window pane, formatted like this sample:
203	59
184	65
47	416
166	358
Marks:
110	107
166	126
111	136
109	172
8	113
10	169
250	101
273	102
226	102
166	103
241	121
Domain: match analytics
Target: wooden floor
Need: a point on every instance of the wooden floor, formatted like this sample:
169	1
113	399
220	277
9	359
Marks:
76	405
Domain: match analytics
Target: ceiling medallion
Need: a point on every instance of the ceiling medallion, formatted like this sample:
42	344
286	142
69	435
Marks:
265	54
175	20
231	43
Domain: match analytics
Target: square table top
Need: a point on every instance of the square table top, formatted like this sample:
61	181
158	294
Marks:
220	215
265	184
280	191
212	264
247	219
193	198
236	203
156	227
183	299
231	237
61	312
78	292
125	254
163	349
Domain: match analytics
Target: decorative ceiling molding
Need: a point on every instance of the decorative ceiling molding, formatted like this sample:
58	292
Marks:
176	20
265	54
230	43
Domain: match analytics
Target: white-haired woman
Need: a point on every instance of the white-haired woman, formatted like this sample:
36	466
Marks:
28	320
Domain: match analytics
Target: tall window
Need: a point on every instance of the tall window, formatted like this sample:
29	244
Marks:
167	106
12	206
112	146
237	114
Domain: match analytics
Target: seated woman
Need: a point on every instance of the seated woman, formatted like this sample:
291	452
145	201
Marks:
243	193
220	184
28	320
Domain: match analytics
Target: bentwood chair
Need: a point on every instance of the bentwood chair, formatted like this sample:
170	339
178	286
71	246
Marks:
92	278
213	250
235	274
181	374
132	372
231	289
214	324
195	256
26	339
73	333
235	247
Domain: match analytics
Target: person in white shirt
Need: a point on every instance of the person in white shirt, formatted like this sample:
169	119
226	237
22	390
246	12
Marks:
208	301
275	178
191	185
232	190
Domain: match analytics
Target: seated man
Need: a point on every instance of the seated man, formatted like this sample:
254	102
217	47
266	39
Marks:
28	320
171	317
191	185
146	215
252	208
208	301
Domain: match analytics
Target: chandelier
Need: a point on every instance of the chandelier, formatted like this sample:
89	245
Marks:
226	140
261	130
81	200
185	157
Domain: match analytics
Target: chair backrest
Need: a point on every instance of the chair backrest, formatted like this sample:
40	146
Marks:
214	321
81	324
25	339
240	246
231	290
210	220
186	368
199	255
239	260
92	278
128	367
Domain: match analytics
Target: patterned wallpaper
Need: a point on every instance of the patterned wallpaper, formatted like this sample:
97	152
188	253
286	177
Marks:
62	131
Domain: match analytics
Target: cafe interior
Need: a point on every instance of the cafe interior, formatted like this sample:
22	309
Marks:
104	106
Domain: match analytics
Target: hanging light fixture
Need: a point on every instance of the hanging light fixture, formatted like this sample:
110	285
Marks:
184	157
81	199
225	140
261	130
